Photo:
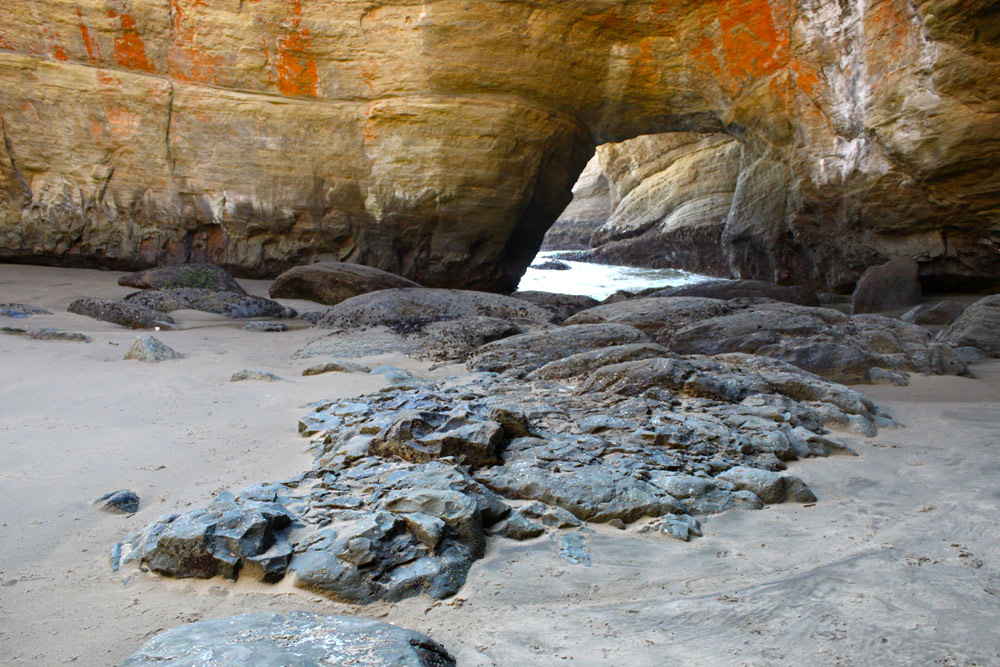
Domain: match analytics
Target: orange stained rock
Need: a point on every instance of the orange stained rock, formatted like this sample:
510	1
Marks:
89	43
59	53
186	61
130	51
294	63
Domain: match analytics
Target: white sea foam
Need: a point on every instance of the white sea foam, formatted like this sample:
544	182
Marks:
600	280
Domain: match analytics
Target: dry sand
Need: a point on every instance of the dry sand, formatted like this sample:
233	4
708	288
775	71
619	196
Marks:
898	563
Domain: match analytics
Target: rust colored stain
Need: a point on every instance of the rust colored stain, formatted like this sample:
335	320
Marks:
89	44
644	63
746	40
59	53
294	63
130	52
187	61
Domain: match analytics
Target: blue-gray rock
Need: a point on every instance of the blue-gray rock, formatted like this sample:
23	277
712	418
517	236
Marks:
20	310
298	639
119	502
150	350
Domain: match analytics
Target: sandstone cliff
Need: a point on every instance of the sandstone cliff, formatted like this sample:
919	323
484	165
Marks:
439	140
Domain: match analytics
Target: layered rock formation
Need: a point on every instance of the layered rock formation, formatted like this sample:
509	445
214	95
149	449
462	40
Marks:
439	141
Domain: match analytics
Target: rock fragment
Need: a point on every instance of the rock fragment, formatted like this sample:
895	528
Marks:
124	501
149	349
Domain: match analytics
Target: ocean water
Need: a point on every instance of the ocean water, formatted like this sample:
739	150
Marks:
600	280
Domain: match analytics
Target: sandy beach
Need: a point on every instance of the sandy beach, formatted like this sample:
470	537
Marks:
897	563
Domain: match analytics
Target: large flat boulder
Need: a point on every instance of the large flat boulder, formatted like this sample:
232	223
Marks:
202	276
331	282
560	305
122	313
411	309
220	302
654	315
743	289
297	639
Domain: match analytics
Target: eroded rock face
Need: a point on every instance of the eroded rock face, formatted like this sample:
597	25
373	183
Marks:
440	143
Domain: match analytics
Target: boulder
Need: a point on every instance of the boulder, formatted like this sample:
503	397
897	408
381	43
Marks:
296	639
201	276
332	282
943	312
656	316
586	362
220	302
560	305
408	310
527	352
978	326
742	289
121	313
148	349
889	286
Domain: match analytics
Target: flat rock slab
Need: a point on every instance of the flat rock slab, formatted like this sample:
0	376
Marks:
410	309
46	334
203	276
124	314
741	289
20	310
332	282
298	639
220	302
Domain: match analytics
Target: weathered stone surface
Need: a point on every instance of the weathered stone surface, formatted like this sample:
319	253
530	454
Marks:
336	367
122	313
586	362
978	326
560	305
220	302
20	310
551	265
245	374
298	639
148	349
411	309
331	282
742	289
266	327
588	210
440	144
943	312
888	286
527	352
124	501
46	333
653	315
201	276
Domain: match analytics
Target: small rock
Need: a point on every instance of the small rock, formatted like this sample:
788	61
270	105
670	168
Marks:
246	374
883	376
552	265
336	367
148	349
121	313
265	327
970	355
572	549
20	310
119	502
520	527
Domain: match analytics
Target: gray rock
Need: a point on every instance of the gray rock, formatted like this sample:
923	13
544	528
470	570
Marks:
554	517
656	316
297	639
313	316
552	265
943	312
124	501
895	284
46	333
560	305
409	310
978	326
678	526
527	352
220	302
455	340
265	327
246	374
519	527
202	276
330	283
336	367
741	289
586	362
121	313
20	310
148	349
571	549
970	355
769	486
423	436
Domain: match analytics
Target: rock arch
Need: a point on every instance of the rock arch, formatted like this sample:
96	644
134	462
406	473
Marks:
440	139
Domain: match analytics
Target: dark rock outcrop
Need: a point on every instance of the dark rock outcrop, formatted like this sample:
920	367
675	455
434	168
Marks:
560	305
978	326
888	286
743	289
330	283
220	302
298	639
122	313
